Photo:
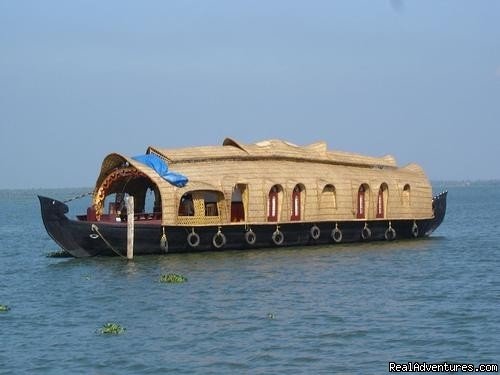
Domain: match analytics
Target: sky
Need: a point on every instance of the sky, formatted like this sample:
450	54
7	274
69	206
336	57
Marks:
80	79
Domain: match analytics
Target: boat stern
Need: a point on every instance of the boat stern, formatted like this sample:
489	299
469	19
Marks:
439	208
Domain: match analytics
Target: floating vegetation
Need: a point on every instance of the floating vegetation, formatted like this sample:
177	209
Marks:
172	278
111	329
59	254
4	308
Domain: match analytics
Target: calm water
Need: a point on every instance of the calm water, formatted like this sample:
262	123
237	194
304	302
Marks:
338	309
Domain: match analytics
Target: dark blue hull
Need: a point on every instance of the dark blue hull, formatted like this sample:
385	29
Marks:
85	238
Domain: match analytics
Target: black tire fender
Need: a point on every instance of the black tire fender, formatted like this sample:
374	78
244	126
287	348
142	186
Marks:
336	234
390	234
250	237
366	232
219	240
193	239
414	230
315	232
278	237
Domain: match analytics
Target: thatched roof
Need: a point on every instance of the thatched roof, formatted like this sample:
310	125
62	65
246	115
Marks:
270	149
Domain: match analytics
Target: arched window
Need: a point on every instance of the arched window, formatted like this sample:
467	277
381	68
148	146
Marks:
186	206
328	202
382	201
273	203
296	203
362	201
238	202
211	199
406	195
201	203
202	206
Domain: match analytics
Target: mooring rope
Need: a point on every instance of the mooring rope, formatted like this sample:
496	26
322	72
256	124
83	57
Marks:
96	229
78	197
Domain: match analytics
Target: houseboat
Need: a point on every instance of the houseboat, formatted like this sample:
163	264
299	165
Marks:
269	194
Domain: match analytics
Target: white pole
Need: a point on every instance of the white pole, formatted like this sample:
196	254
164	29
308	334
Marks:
130	227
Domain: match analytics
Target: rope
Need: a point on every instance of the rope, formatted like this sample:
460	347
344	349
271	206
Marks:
96	229
78	197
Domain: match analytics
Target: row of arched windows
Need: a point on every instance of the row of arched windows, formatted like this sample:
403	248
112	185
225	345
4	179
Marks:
275	199
329	198
208	202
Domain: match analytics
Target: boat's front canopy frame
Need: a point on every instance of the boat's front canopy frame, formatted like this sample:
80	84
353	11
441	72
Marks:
123	175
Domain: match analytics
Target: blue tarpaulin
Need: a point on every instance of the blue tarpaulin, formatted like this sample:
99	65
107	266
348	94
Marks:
159	165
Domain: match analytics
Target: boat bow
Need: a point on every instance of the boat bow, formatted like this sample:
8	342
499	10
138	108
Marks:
56	223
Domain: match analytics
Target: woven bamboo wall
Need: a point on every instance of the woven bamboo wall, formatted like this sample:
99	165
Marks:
261	166
260	176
